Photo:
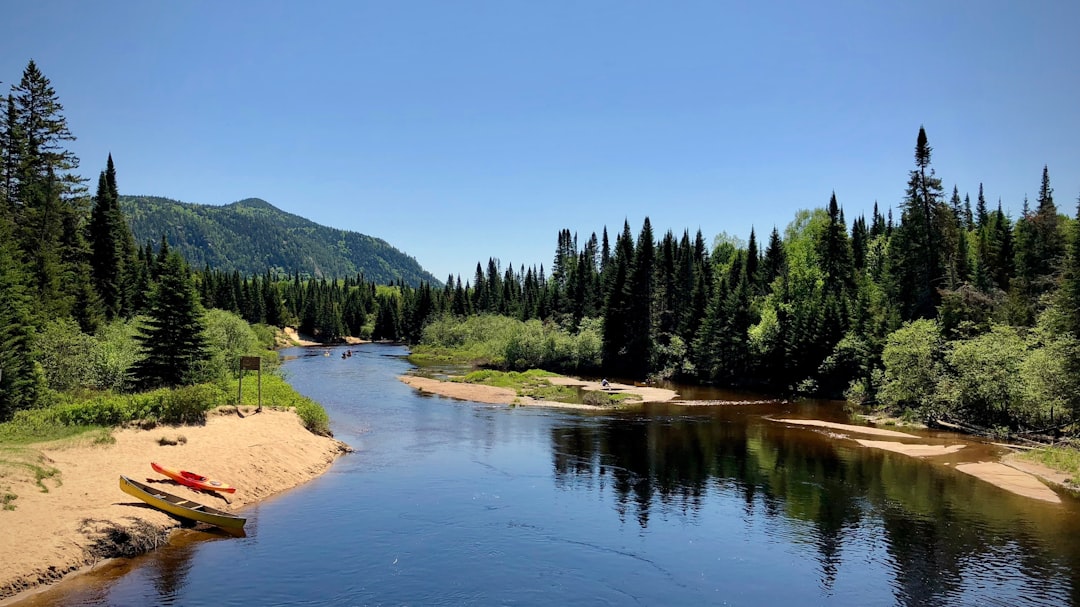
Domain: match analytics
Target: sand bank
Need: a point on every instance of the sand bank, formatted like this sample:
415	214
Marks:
1010	479
505	396
52	534
846	427
914	450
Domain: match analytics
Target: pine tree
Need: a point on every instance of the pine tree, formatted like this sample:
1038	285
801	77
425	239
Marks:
1039	251
638	293
834	251
922	238
616	303
1069	296
981	216
173	341
775	257
20	382
105	252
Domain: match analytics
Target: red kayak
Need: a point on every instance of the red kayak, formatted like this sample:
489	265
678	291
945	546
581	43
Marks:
191	479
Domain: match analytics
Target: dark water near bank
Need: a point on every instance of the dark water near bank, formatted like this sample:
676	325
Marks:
448	503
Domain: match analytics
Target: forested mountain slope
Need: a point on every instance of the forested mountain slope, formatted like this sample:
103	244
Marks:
252	236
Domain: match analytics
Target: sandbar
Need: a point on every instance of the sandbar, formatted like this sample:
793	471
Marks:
914	450
1010	479
846	427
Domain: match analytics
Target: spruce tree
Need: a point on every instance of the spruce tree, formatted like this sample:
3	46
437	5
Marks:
1069	297
981	216
173	341
105	252
616	303
638	293
20	382
921	239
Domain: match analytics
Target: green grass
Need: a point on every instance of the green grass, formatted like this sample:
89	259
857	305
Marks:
22	462
534	384
1062	459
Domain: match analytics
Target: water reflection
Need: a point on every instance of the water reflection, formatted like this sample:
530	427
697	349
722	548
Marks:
448	502
943	533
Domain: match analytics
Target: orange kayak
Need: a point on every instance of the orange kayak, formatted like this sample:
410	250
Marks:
191	479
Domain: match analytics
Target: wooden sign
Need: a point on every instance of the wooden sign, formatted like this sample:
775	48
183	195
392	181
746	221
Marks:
250	363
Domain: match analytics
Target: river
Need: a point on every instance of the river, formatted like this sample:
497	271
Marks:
447	502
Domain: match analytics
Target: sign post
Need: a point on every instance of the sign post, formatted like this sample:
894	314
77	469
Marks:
249	363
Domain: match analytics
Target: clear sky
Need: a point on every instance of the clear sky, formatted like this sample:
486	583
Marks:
460	130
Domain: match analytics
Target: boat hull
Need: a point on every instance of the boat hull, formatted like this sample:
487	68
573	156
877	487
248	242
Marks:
192	479
180	506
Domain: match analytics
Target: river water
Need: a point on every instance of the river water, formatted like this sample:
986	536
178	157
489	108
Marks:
447	502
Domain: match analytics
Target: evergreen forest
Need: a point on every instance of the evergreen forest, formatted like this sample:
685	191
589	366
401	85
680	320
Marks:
951	311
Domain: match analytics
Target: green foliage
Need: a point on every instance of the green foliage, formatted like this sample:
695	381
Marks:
528	384
65	352
252	236
985	380
314	417
173	342
228	337
114	354
278	394
507	343
1063	459
912	362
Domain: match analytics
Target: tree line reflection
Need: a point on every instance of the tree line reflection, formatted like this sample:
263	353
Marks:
942	530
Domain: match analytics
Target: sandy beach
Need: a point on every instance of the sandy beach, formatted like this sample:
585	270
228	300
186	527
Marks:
51	534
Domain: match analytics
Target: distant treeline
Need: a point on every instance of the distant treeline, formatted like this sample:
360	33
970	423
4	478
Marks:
952	311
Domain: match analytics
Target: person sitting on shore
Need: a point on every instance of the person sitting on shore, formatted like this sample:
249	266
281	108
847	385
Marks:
604	383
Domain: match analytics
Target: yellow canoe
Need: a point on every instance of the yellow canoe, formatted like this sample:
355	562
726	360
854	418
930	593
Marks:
180	506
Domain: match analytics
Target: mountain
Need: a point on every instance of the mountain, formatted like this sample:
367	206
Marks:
252	236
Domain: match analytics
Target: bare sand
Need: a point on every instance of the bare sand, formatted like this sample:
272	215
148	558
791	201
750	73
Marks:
296	339
646	394
914	450
505	396
53	533
1011	479
460	390
1011	474
846	427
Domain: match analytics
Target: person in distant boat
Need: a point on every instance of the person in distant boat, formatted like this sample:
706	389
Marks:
604	383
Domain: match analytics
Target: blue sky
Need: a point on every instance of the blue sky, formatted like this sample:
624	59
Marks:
463	130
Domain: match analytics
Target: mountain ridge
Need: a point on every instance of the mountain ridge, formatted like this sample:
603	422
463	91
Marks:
252	236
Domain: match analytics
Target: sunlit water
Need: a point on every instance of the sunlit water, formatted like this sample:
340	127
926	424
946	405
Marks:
448	503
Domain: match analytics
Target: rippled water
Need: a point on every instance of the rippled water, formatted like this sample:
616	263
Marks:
448	502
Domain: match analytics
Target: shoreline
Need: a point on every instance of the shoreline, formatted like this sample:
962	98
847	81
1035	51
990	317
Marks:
1007	472
494	395
51	535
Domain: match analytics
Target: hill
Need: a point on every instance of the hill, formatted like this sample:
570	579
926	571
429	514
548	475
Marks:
252	236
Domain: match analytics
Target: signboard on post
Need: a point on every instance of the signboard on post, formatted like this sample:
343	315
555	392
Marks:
249	363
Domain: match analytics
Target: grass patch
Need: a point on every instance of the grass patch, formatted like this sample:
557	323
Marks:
1062	459
172	441
7	500
22	463
534	384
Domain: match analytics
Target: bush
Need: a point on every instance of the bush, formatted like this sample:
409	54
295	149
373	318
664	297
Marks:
64	352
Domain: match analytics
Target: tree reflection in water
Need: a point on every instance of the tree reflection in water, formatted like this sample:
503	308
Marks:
941	530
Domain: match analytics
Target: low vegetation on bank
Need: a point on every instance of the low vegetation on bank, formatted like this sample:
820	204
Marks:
1063	459
490	340
534	384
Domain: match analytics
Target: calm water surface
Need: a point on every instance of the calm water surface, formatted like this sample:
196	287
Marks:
448	503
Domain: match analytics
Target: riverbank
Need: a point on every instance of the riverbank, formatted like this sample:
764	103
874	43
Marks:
482	393
82	517
1009	472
